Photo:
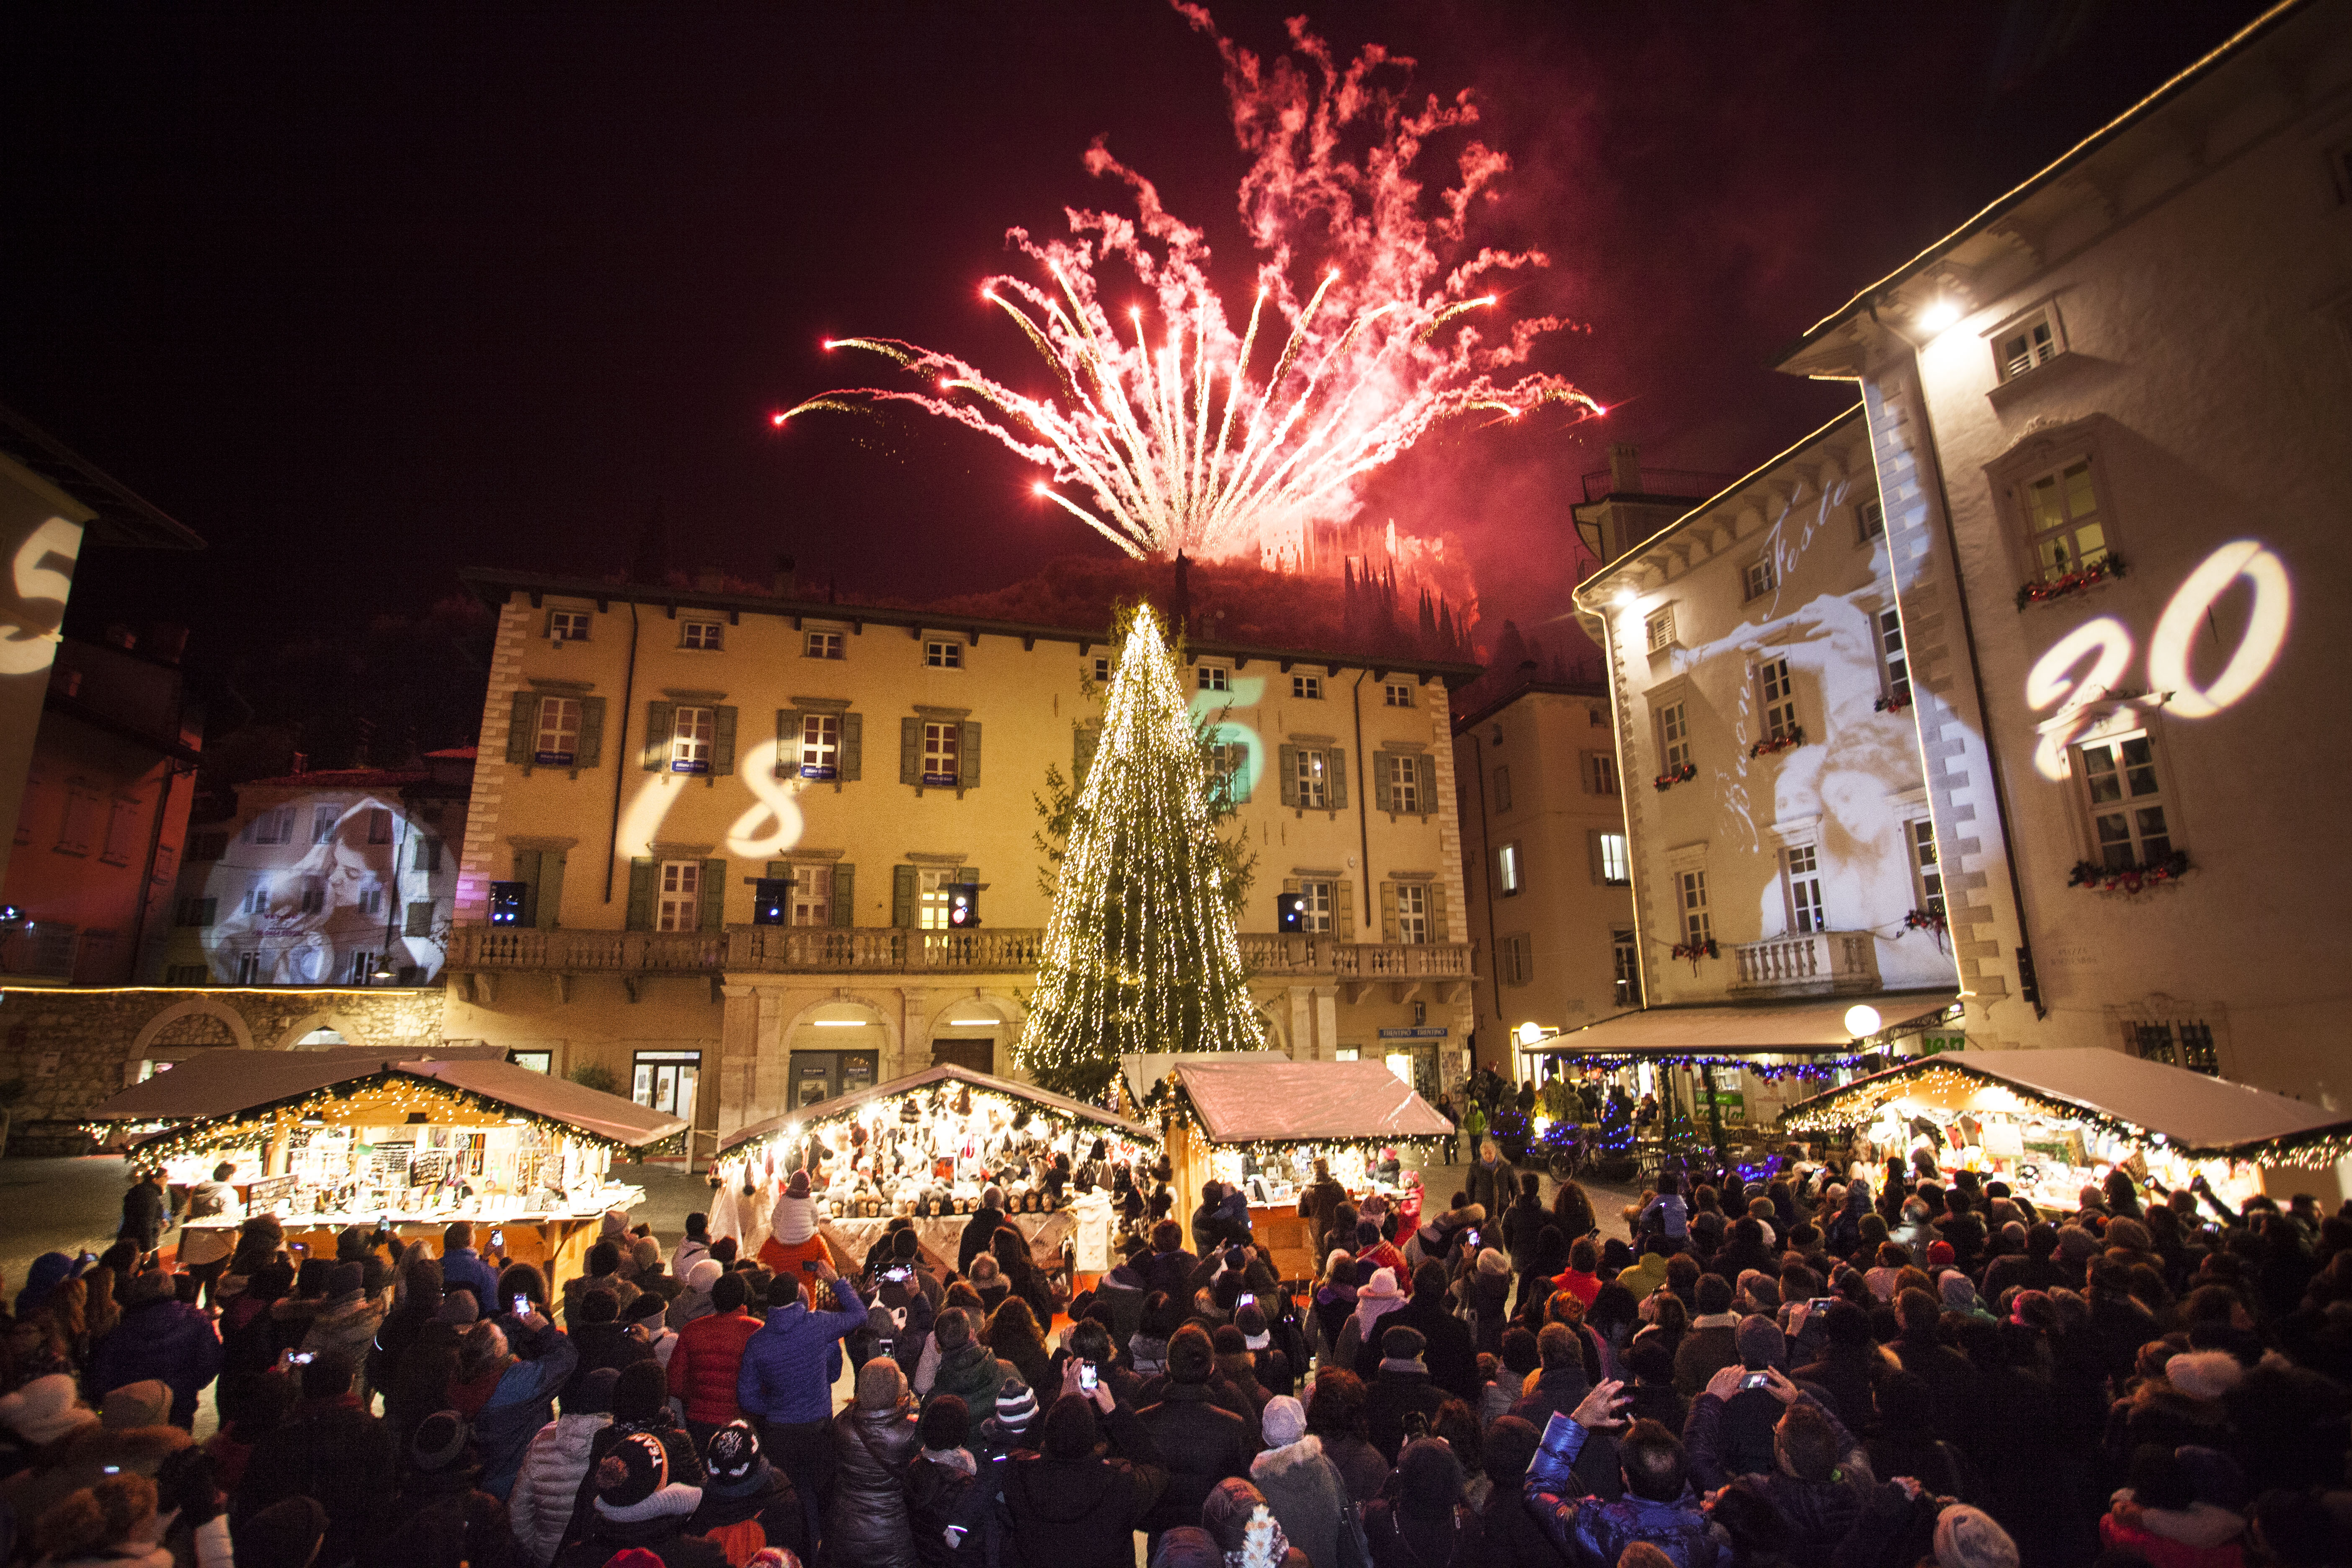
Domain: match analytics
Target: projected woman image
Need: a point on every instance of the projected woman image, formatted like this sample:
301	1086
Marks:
333	911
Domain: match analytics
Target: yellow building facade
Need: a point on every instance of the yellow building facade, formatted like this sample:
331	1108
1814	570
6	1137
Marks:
650	757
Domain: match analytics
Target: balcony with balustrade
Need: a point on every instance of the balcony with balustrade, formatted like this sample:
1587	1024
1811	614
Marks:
1806	963
480	954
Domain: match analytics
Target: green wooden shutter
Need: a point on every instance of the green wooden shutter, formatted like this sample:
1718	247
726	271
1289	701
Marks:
1388	911
592	733
722	741
1426	767
852	746
1240	783
522	726
1437	921
1344	917
658	719
1383	798
547	900
526	871
845	895
714	895
968	874
778	868
1288	756
643	875
902	897
788	744
968	755
1084	739
910	751
1339	779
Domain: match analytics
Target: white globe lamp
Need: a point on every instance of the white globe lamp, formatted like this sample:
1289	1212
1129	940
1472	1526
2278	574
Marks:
1862	1021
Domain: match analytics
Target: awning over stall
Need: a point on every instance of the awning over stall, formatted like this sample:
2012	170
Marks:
1144	1072
1272	1099
242	1085
832	1110
2146	1101
1731	1030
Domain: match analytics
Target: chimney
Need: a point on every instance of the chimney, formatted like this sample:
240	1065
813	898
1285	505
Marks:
788	578
301	762
1624	467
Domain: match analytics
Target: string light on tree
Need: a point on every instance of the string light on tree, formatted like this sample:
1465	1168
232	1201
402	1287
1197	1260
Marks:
1139	952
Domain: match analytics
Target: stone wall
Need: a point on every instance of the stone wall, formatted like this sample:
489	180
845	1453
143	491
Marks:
73	1048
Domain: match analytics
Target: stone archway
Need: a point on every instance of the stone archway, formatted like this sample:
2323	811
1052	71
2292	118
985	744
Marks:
799	1037
290	1037
1005	1019
198	1022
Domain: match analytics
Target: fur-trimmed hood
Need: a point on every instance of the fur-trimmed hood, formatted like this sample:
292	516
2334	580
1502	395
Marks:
1274	1462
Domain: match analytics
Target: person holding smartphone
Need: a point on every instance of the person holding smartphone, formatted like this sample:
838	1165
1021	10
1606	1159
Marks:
1069	1504
784	1379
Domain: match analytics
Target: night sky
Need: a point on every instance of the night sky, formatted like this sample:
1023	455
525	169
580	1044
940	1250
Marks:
364	294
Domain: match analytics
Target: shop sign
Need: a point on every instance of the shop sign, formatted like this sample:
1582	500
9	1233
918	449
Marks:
1935	1045
1414	1034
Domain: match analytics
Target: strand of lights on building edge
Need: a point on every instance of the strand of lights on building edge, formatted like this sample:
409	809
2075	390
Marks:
388	1098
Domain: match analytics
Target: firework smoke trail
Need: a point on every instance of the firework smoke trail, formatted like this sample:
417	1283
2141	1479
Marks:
1187	442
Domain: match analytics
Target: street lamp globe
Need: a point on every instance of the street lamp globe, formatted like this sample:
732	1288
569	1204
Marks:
1861	1020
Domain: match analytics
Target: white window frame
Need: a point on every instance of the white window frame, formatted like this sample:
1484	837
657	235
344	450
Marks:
1314	781
677	900
275	826
821	644
2057	548
1307	688
1658	629
363	967
1600	773
1699	922
1400	695
323	819
1616	861
1776	693
1926	866
1802	863
1759	577
701	636
1895	663
931	899
1102	672
380	829
1317	898
942	753
1510	871
1674	736
567	626
248	969
942	654
371	900
2128	806
812	897
1404	784
556	736
1413	913
693	730
1626	966
1214	677
2026	344
1226	759
819	753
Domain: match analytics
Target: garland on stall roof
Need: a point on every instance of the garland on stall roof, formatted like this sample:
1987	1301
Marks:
1175	1106
2129	879
406	1092
965	1099
1818	1066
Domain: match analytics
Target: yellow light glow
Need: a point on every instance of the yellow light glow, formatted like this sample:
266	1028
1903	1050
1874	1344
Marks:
1937	314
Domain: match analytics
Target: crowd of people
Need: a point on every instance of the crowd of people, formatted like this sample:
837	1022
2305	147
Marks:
1850	1368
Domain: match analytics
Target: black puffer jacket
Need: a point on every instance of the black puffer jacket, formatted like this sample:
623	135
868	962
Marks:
1202	1442
1083	1513
869	1526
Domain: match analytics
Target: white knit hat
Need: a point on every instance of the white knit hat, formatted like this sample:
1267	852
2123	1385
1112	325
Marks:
704	1275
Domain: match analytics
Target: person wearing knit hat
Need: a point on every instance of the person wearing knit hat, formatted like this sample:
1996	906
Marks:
1967	1538
793	1237
1400	1392
45	1410
1015	1408
146	1403
637	1505
1305	1488
1941	1255
873	1442
2205	1374
748	1505
1375	1299
694	1300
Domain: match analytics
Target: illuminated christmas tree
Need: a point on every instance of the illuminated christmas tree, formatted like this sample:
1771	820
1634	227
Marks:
1139	952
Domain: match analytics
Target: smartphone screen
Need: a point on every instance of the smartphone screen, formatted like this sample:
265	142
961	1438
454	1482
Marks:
301	1358
1757	1380
887	1347
1089	1375
498	1238
808	1266
521	1305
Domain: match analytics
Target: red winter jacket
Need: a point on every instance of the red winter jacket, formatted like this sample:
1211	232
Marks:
702	1364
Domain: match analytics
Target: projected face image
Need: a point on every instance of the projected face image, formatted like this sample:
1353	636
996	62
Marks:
319	892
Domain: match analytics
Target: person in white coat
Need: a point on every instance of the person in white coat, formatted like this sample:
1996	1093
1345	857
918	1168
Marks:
548	1485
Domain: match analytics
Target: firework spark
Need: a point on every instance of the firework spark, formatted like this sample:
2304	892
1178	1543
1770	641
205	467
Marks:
1168	429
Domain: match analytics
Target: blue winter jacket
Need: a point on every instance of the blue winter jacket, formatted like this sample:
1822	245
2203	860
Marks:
464	1269
523	1402
1590	1533
168	1341
783	1377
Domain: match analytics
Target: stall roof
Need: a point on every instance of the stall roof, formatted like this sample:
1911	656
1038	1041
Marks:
1815	1024
2203	1116
828	1109
225	1083
1255	1101
1145	1071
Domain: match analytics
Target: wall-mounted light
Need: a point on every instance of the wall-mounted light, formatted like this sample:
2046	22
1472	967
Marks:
1626	597
1530	1033
1937	314
838	1023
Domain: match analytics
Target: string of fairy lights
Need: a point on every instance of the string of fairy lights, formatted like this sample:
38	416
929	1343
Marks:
1140	954
1175	1108
386	1098
1858	1103
961	1099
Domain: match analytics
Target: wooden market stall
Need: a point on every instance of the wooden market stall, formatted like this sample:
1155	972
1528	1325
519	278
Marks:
328	1139
925	1146
1221	1118
2052	1122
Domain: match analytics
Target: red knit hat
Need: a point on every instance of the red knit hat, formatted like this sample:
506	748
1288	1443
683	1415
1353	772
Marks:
1941	1255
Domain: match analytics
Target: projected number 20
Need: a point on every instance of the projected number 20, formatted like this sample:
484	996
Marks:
2084	665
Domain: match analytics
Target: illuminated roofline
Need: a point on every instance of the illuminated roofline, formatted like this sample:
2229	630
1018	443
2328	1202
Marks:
2105	134
1725	493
